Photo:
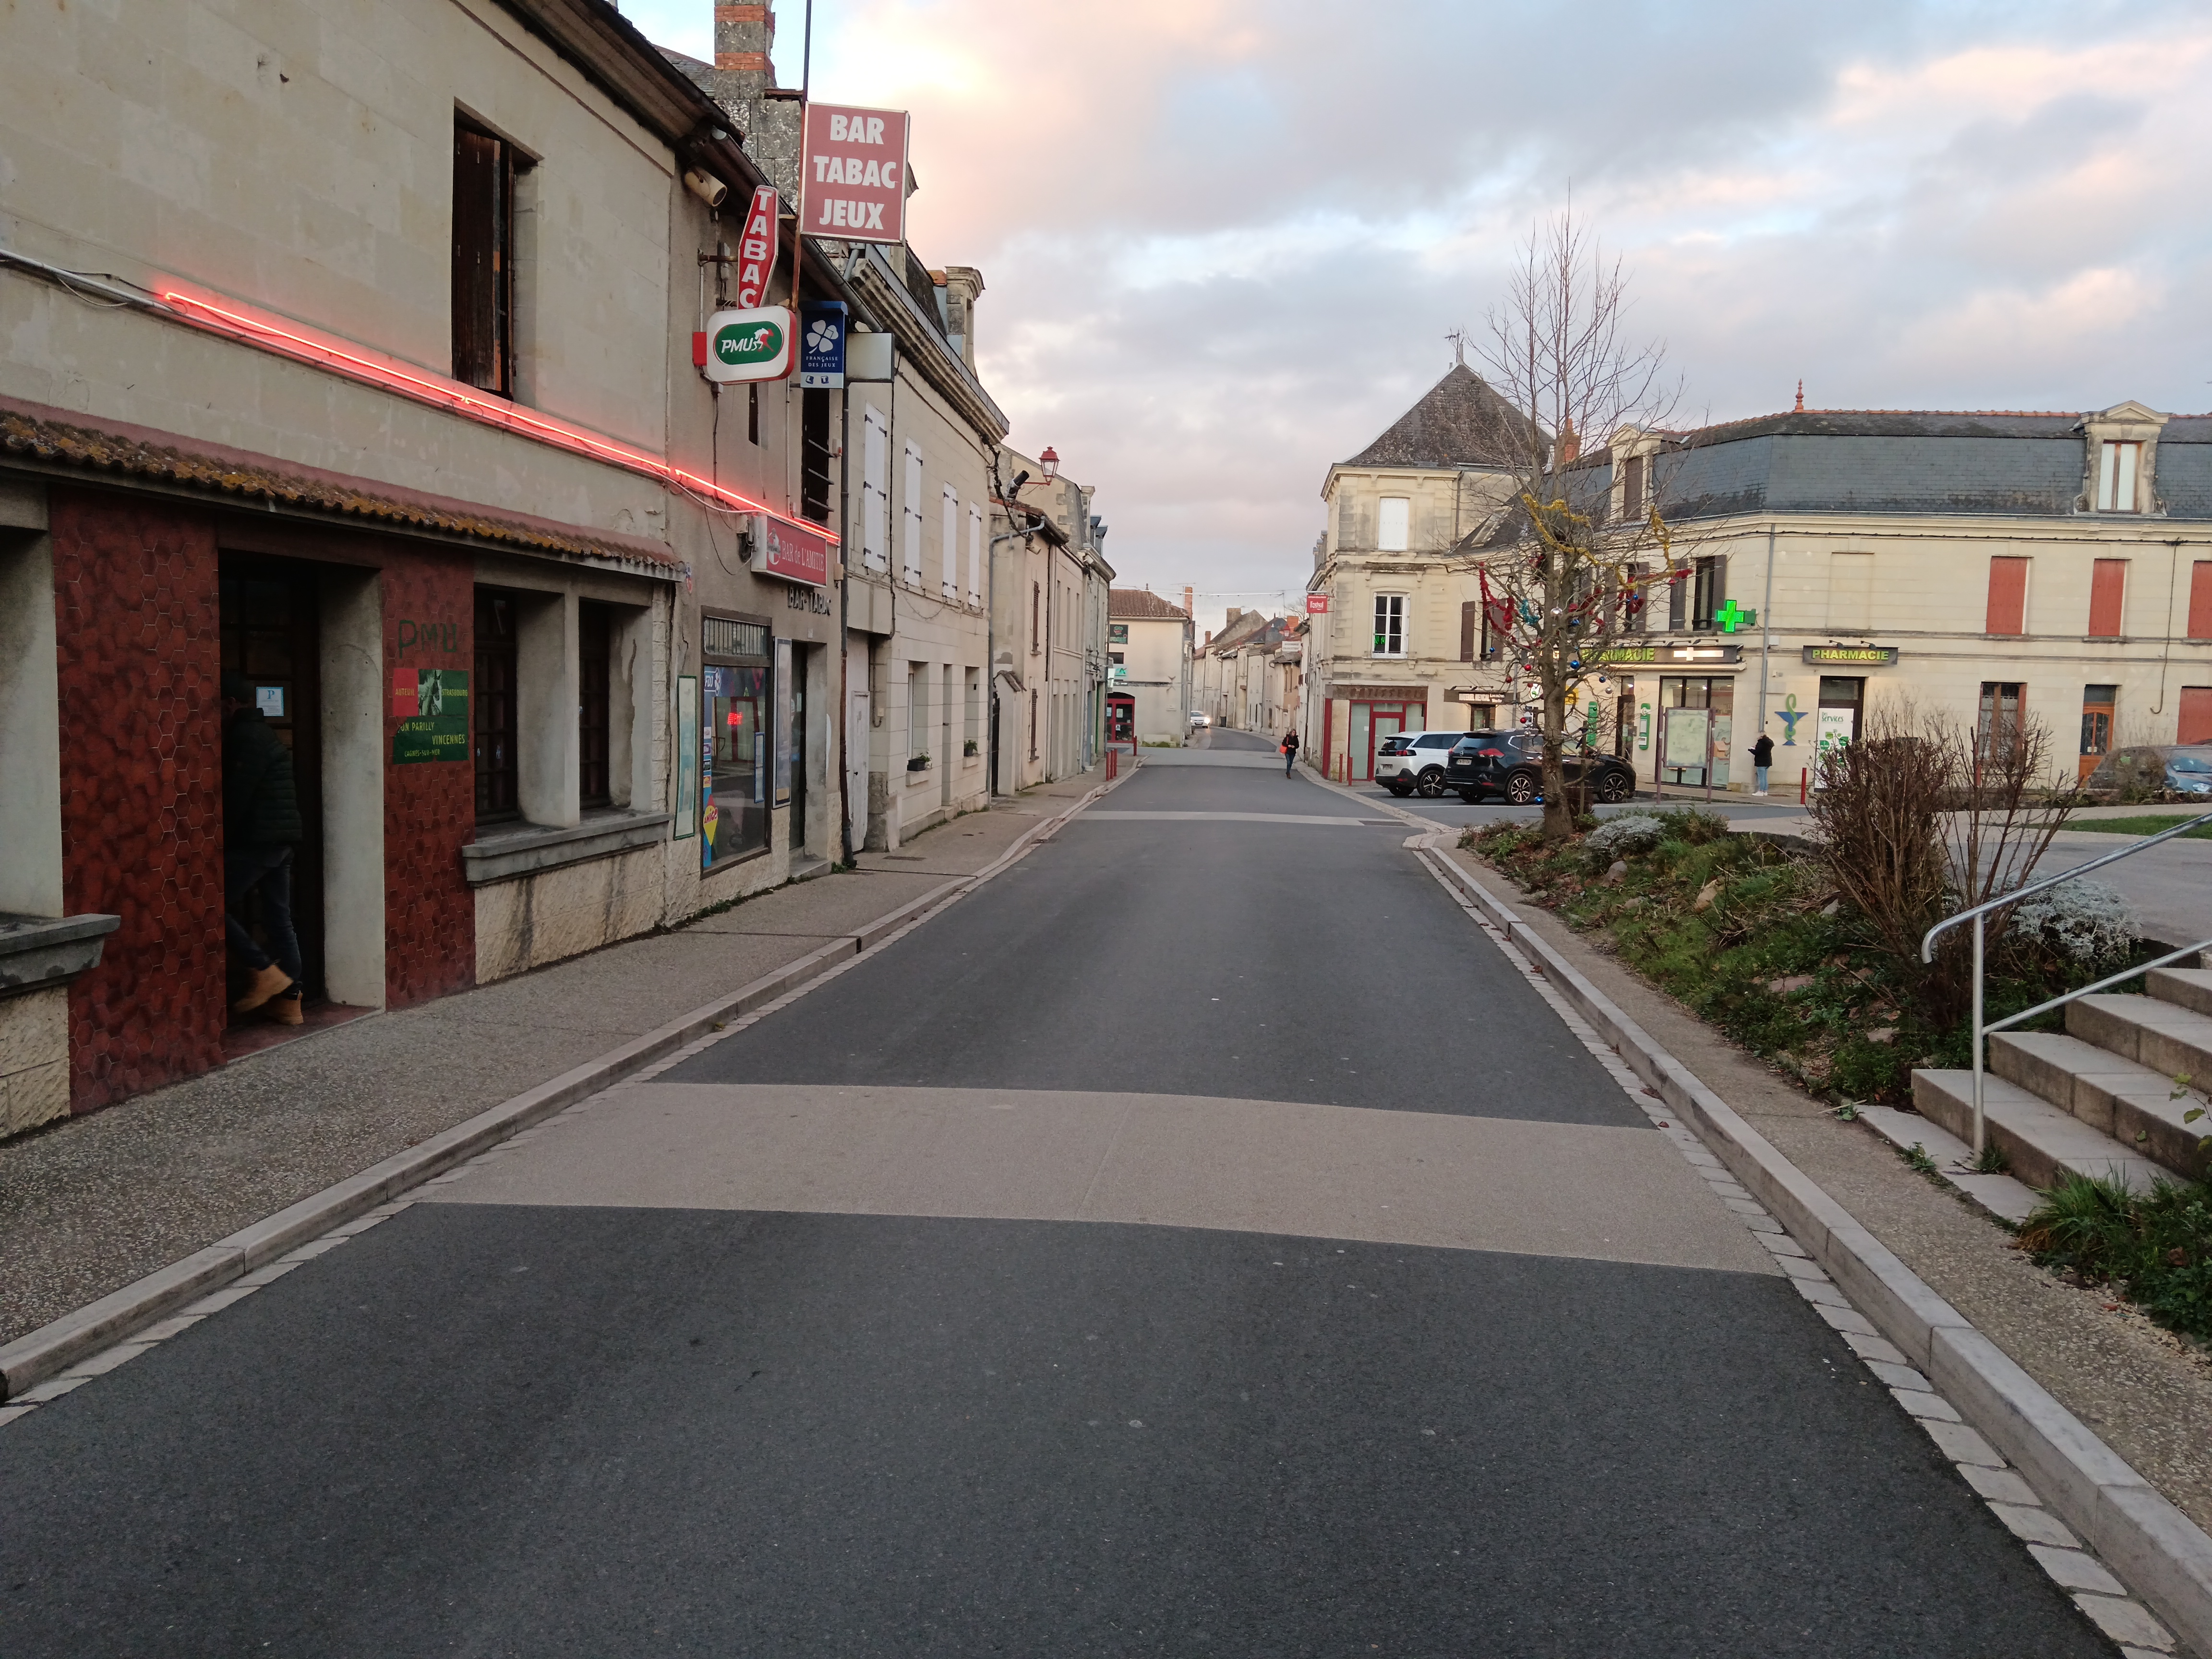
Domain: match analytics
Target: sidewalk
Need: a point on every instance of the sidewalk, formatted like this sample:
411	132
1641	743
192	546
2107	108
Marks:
96	1202
2133	1384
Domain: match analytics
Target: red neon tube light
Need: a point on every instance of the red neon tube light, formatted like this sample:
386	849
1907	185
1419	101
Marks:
293	340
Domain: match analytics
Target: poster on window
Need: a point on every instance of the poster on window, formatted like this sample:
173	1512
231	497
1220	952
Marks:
687	757
433	707
734	763
783	727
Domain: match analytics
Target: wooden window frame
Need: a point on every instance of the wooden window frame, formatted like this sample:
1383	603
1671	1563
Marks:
595	634
494	707
485	166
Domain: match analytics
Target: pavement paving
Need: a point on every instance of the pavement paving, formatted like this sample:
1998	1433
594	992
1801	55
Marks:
1199	1238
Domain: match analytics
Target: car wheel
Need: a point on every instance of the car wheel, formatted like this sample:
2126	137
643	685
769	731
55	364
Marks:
1399	787
1432	781
1520	788
1470	796
1615	787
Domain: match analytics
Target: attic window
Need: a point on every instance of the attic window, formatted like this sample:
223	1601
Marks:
1631	488
2119	464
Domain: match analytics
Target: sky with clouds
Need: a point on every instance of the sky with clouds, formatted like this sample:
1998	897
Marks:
1225	239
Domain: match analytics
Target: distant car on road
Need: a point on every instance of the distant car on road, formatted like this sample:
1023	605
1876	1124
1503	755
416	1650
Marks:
1200	720
1414	760
1511	764
2183	769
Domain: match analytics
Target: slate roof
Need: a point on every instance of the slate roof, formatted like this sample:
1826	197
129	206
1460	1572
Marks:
1459	421
1142	605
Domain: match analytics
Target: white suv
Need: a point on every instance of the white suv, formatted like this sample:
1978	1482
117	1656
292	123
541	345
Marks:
1414	760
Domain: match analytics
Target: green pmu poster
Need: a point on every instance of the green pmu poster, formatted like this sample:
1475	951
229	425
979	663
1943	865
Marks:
433	707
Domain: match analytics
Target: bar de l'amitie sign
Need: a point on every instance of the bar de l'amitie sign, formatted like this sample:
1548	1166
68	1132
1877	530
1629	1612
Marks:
852	174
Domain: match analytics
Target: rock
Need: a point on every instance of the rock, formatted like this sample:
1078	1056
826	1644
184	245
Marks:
1616	870
1706	895
1830	908
1882	1034
1785	985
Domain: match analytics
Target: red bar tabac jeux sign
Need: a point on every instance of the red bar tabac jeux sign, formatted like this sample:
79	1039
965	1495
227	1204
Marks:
853	173
757	249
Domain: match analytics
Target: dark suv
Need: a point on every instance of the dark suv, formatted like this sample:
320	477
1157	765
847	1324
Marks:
1511	764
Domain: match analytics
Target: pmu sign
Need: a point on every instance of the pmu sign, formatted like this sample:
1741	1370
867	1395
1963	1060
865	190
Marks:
852	174
748	345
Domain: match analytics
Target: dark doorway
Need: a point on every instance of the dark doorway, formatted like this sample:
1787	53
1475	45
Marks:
272	634
801	658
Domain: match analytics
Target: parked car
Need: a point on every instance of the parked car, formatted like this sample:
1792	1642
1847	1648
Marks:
1510	765
2182	769
1414	760
1200	720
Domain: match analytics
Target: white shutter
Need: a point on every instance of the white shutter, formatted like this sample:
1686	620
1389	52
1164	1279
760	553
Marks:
949	532
875	474
975	554
910	517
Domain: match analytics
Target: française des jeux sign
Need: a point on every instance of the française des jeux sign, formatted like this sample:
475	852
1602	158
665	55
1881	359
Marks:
821	345
753	344
432	707
852	174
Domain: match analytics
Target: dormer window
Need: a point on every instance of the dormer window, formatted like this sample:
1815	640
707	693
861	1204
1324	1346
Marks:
2119	465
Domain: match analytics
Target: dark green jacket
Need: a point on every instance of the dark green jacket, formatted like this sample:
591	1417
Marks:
260	805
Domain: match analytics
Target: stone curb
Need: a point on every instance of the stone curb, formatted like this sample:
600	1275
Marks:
53	1348
2164	1556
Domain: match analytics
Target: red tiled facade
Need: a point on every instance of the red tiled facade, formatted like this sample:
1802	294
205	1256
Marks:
137	614
430	808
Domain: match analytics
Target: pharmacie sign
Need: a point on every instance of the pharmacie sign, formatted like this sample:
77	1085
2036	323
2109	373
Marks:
753	344
1850	656
1665	655
852	174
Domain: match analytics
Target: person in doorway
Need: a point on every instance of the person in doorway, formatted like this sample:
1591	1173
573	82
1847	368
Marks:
1762	757
1290	752
260	834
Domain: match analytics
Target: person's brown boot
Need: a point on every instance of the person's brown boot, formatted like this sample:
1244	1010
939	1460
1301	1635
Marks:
287	1010
267	983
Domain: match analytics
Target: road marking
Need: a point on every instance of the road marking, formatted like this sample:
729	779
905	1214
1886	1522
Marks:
1224	818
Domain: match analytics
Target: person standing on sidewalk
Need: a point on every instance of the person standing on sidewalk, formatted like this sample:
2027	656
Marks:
1762	757
1290	752
261	832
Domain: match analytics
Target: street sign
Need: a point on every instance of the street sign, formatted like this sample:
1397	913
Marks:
1316	604
821	345
757	249
754	344
852	174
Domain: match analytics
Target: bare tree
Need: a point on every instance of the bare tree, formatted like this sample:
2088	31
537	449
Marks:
1569	568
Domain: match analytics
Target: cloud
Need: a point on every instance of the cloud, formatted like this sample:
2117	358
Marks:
1224	238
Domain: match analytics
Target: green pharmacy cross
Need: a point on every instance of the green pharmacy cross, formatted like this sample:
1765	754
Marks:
1733	618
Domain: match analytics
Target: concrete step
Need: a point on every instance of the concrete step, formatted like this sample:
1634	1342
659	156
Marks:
2170	1039
2040	1142
2133	1104
2185	987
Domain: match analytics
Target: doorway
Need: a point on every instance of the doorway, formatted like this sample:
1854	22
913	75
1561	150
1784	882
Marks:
802	659
2099	703
270	632
1121	718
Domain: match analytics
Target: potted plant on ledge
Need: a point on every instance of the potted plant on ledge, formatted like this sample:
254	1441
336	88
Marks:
969	749
917	764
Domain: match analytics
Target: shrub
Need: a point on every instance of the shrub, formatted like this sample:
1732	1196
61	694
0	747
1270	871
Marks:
2081	923
2158	1245
1631	833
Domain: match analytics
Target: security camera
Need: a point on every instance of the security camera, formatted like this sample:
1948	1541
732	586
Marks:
704	185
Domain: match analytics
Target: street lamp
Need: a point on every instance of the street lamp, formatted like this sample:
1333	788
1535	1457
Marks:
1050	461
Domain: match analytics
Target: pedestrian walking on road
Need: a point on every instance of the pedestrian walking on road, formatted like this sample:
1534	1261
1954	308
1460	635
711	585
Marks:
1290	751
261	832
1762	757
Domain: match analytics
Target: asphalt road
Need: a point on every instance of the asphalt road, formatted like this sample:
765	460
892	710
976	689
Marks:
1195	1241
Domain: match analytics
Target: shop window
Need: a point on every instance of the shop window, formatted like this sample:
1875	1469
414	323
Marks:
2008	606
734	689
484	170
2098	704
2108	586
1695	713
1394	524
2200	601
498	768
1389	625
594	704
2119	464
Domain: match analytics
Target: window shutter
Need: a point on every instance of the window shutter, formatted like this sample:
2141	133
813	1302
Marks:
949	533
1470	622
2008	609
2200	601
2107	595
2195	715
480	173
910	517
1394	525
875	469
975	554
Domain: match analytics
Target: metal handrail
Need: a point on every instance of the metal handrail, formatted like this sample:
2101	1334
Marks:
1978	915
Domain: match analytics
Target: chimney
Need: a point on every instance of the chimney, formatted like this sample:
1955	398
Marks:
1186	601
1234	613
1209	637
963	284
1569	445
745	85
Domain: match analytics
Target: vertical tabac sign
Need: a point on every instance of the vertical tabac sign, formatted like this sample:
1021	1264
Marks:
757	249
853	173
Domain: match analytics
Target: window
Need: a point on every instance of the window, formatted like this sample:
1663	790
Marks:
1850	593
875	474
2200	601
975	554
733	701
1393	523
499	771
917	712
1033	722
1709	595
2117	465
1471	631
483	260
2007	608
2108	586
974	698
1997	729
910	518
1678	601
814	454
949	533
1631	488
2098	704
1389	625
595	711
752	413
